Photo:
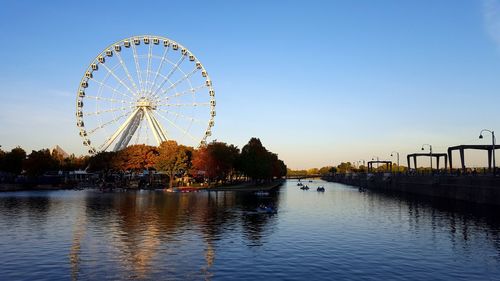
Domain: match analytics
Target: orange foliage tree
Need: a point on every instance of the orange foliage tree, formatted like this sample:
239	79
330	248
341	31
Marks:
136	158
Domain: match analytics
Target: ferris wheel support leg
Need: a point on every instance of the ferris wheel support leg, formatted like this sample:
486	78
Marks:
119	130
161	131
129	131
153	127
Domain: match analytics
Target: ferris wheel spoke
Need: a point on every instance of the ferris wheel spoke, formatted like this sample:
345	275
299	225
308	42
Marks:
148	68
177	127
99	112
102	84
186	104
167	77
183	93
127	72
137	67
162	60
108	123
177	114
186	76
118	79
108	99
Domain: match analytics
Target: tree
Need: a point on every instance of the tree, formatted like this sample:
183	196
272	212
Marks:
217	160
102	162
260	164
255	160
39	162
324	170
136	158
313	171
344	167
13	161
173	159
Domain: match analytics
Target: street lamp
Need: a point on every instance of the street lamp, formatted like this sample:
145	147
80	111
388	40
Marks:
430	149
397	153
493	145
375	157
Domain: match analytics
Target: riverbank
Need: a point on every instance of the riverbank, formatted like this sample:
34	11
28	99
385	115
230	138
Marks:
480	189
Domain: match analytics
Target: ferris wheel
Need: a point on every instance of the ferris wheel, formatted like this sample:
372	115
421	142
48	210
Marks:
144	90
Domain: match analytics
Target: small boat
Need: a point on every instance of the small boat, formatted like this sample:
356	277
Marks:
305	187
310	181
299	184
320	189
266	210
261	193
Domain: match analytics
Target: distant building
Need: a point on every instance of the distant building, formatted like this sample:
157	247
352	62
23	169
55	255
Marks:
59	151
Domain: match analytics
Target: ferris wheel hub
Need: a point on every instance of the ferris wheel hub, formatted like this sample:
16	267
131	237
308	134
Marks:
145	103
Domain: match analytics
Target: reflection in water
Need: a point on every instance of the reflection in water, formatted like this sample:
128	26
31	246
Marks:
140	222
217	235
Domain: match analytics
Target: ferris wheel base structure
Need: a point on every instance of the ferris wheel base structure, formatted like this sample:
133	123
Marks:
128	129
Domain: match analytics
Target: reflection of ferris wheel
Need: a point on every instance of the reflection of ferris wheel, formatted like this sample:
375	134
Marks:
144	89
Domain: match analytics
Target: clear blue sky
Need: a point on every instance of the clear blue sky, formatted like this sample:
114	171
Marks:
318	81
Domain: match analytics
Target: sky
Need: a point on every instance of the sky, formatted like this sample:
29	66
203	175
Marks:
319	82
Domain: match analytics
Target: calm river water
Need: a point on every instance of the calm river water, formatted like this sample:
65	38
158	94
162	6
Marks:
341	234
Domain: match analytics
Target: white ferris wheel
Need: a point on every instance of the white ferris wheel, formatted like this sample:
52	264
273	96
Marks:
144	90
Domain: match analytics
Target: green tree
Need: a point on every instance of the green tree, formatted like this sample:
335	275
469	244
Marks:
173	159
324	170
217	160
102	161
39	162
255	161
13	161
313	171
345	167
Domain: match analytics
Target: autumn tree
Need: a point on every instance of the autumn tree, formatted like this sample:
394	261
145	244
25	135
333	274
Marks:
136	158
217	160
173	159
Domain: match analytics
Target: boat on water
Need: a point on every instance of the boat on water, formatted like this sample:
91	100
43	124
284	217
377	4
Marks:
266	210
305	187
320	189
261	193
299	184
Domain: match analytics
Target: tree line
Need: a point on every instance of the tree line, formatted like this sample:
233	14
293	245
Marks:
214	162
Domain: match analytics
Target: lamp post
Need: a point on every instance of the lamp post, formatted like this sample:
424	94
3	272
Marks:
430	149
373	158
493	145
397	154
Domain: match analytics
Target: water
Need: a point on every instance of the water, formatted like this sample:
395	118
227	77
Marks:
342	234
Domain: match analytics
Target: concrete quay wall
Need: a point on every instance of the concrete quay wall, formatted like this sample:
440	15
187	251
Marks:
481	189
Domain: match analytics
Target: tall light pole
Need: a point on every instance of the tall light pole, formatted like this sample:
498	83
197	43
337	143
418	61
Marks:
397	153
493	145
373	158
430	149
